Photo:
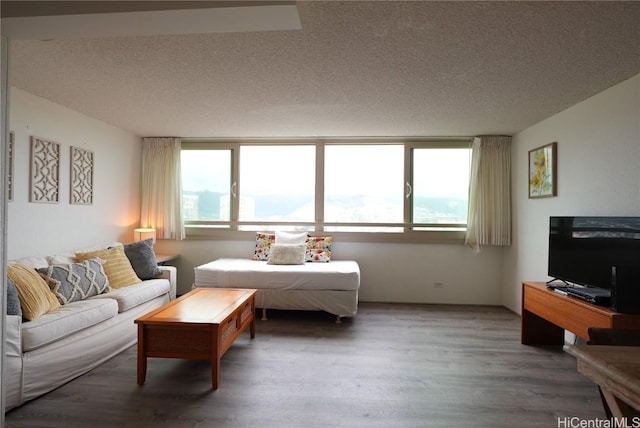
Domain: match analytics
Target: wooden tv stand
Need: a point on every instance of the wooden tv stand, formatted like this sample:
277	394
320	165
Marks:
546	314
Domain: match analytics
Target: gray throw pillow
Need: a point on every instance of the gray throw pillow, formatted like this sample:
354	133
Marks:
76	281
143	259
13	302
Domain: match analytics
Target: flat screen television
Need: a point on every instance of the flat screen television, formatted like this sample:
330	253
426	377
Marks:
583	250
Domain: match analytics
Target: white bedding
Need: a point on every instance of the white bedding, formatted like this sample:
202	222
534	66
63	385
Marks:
331	287
335	275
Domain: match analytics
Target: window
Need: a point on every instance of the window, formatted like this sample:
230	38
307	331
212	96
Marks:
206	185
403	190
277	183
364	184
439	187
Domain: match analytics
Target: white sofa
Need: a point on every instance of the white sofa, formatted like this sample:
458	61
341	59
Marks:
44	353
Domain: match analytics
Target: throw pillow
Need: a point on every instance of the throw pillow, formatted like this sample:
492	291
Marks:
290	238
319	248
143	258
263	244
61	259
76	281
13	301
287	254
36	299
116	265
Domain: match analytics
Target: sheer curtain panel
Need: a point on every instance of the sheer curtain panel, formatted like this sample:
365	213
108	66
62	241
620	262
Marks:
161	187
489	216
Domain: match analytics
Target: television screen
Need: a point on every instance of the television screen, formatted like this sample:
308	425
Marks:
582	250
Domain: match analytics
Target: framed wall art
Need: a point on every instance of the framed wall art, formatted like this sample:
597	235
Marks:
45	171
81	176
543	171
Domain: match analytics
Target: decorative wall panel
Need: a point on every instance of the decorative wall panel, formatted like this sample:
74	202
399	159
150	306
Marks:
81	176
45	171
10	162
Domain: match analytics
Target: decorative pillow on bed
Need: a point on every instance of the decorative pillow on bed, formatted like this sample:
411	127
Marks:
287	254
76	281
319	248
291	237
263	244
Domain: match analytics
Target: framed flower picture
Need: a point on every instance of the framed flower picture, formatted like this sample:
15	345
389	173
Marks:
543	171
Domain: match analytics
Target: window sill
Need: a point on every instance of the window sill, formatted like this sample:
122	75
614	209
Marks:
416	237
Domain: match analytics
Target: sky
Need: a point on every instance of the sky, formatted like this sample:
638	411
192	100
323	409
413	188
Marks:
350	170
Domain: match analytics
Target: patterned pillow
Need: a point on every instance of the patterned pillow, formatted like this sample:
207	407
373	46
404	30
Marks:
143	258
263	245
116	265
287	254
36	299
319	248
76	281
13	301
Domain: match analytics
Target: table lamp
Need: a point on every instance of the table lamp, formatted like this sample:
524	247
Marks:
143	233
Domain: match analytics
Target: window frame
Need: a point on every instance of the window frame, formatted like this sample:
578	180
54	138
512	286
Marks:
409	165
231	230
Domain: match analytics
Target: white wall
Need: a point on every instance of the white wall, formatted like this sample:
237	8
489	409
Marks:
598	174
389	272
598	158
38	229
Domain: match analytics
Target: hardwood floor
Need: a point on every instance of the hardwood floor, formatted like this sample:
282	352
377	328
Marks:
392	365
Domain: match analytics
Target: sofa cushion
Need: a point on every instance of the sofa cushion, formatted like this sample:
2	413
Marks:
76	281
137	294
62	259
70	257
142	258
34	262
13	301
116	265
36	299
65	321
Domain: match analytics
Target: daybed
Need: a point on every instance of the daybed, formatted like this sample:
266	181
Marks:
85	323
311	282
331	287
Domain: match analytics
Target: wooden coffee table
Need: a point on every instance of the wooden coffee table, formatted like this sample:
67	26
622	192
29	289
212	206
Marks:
200	325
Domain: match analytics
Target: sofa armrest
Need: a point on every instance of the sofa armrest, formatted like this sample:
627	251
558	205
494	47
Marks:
13	344
13	362
170	273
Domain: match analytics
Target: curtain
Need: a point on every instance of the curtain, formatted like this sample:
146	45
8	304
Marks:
489	215
161	187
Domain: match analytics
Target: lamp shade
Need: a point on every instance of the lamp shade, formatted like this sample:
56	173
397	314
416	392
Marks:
144	233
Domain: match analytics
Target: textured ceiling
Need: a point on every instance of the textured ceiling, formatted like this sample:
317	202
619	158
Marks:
379	68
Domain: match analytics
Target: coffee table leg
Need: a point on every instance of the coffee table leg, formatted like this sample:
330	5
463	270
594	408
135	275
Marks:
215	373
215	357
142	356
